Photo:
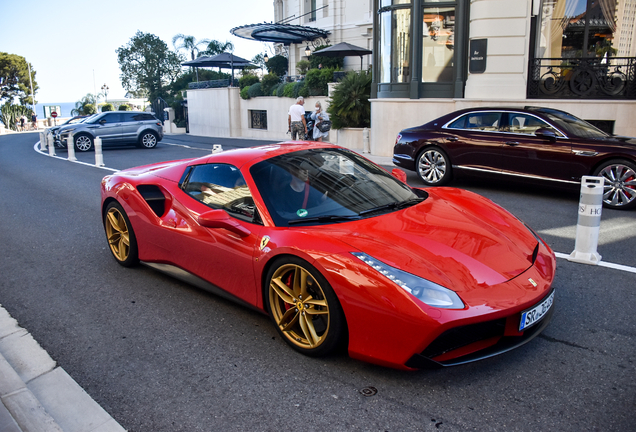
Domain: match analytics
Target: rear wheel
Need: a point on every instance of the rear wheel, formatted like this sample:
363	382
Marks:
619	184
433	167
148	140
304	307
83	143
120	235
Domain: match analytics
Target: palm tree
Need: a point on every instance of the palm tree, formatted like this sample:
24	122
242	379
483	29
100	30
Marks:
216	47
189	43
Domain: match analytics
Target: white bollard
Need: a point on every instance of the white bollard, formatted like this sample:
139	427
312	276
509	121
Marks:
365	141
43	136
71	148
99	157
589	222
217	148
50	143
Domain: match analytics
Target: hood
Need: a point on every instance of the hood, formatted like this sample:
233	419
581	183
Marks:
454	238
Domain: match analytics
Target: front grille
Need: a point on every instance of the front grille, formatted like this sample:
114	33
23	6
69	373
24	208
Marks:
461	336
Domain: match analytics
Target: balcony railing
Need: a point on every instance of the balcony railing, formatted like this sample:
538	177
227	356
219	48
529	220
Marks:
582	78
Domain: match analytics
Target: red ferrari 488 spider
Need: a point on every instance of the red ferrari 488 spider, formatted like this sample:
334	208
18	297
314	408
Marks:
339	252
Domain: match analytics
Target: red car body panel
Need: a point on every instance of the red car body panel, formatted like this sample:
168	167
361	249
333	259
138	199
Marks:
454	238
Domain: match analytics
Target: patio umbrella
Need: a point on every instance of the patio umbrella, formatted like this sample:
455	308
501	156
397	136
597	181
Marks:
223	60
343	49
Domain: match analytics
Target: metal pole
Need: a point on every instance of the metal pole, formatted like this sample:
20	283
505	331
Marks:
32	94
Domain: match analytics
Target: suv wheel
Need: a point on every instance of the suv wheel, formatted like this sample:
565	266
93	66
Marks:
83	143
148	140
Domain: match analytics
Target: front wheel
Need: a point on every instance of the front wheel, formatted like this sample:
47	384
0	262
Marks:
83	143
148	140
304	307
120	235
619	184
433	167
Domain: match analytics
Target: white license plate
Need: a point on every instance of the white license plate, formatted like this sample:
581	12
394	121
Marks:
532	316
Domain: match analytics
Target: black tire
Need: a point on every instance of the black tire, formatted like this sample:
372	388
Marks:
620	183
433	166
120	235
83	142
148	140
314	326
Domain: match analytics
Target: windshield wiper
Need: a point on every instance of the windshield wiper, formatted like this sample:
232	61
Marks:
393	206
324	218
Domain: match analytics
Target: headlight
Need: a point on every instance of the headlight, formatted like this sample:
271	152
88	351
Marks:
428	292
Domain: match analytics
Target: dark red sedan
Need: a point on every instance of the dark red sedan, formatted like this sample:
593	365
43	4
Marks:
530	143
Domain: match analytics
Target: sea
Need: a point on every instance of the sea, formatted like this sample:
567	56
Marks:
65	109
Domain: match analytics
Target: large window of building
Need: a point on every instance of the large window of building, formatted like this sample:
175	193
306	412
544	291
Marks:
416	53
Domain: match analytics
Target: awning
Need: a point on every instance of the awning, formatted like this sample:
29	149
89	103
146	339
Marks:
279	33
223	60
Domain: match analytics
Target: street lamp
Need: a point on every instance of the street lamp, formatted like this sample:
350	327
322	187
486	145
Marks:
307	51
266	58
105	91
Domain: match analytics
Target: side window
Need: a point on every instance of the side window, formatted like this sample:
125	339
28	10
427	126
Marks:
527	124
222	186
128	117
485	121
142	117
112	118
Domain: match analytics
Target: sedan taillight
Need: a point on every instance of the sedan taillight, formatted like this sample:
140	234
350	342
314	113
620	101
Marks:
399	137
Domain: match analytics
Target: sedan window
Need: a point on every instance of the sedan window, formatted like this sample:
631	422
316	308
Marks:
484	121
527	124
221	186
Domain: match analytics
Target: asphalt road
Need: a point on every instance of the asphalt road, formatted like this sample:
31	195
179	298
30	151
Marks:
160	355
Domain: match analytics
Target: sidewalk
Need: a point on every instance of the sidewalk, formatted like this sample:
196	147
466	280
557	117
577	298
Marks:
38	396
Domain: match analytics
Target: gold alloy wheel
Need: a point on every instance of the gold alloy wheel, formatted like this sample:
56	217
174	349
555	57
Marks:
299	306
117	233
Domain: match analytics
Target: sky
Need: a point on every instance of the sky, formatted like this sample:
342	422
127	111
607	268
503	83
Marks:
71	44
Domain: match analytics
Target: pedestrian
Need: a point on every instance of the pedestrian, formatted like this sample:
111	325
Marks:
34	120
319	116
22	122
296	120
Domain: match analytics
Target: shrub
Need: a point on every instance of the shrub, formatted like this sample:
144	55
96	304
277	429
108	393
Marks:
280	89
124	107
277	65
289	90
247	81
89	109
302	66
296	89
108	107
244	94
327	62
317	81
255	90
269	82
349	106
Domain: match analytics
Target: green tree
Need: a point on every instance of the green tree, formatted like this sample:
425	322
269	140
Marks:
147	65
326	62
86	105
277	65
10	114
14	79
215	47
349	105
188	43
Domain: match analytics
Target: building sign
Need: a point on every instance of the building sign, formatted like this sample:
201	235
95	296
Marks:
477	56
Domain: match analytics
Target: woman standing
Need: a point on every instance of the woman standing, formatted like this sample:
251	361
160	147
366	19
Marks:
318	116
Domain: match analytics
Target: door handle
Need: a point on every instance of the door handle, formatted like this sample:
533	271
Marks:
453	138
512	143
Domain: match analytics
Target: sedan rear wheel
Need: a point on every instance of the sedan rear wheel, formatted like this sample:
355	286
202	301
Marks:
433	167
83	143
120	235
619	185
148	140
304	307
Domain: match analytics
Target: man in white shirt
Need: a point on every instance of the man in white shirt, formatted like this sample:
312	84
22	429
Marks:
296	119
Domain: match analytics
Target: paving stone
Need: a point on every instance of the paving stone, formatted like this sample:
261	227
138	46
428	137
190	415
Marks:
28	413
25	355
7	423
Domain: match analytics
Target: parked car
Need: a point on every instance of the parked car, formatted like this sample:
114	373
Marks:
73	120
114	128
530	143
338	252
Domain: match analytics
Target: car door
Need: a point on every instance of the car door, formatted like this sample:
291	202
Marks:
109	127
221	256
474	141
130	125
526	154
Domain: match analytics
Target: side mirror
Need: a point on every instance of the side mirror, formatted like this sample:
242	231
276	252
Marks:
102	122
545	133
220	219
399	174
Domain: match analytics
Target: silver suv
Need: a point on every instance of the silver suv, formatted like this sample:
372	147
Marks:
114	128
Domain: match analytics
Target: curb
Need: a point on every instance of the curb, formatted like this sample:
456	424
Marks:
38	396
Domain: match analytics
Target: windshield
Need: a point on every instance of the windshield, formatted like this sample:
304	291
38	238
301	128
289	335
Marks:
318	186
93	118
574	125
